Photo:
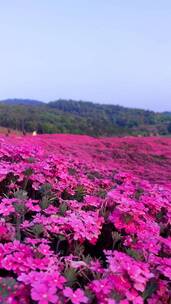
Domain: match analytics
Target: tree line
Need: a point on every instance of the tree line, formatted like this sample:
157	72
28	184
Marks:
78	117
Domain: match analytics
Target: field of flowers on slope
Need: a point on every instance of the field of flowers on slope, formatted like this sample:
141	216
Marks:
85	220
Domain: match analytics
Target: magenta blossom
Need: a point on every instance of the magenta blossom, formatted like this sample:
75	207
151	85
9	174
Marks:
76	297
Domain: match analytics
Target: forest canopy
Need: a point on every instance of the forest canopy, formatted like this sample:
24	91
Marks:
78	117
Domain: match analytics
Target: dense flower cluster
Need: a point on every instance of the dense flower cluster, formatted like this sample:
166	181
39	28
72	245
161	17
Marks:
81	229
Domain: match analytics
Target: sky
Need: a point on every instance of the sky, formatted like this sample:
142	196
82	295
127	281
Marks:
106	51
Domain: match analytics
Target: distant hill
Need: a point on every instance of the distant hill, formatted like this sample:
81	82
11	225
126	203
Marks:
80	117
17	101
167	113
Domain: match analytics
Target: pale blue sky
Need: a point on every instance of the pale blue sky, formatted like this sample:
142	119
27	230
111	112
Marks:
98	50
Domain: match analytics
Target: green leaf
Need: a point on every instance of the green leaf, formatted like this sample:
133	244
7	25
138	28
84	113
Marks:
28	172
150	289
20	194
71	276
44	203
135	254
63	208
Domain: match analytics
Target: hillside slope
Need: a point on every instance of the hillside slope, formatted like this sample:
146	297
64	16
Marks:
77	117
17	101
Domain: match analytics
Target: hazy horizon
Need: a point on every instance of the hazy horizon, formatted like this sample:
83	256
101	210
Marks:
91	101
111	52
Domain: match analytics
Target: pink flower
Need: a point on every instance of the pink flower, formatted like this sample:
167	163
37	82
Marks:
43	293
76	297
90	201
44	249
6	206
33	205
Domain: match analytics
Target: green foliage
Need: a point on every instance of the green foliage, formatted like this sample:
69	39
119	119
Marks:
63	208
77	117
150	289
79	193
46	189
135	254
138	193
169	127
20	194
37	230
47	195
44	202
71	276
7	286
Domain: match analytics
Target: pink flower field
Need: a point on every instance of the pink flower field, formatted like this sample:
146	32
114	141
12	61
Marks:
85	220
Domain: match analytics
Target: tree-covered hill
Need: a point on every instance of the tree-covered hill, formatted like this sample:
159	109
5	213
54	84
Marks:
78	117
16	101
